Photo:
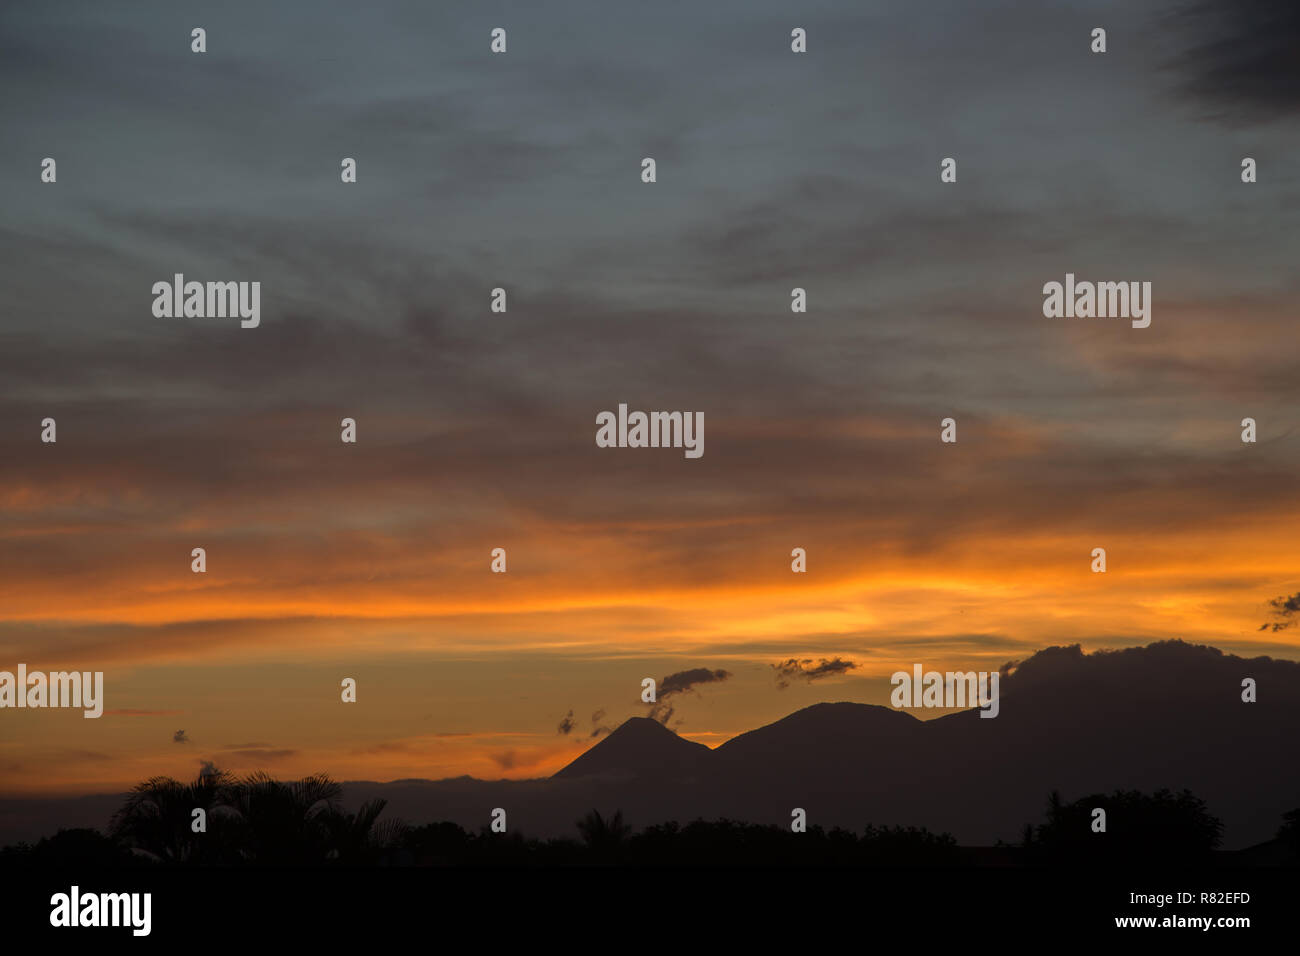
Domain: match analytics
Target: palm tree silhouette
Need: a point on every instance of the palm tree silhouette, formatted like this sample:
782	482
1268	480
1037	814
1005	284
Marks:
358	837
256	819
603	837
157	819
286	822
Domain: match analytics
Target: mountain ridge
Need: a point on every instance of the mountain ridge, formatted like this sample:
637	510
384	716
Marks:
1167	715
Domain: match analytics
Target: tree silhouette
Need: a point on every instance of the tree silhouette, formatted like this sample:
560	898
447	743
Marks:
1164	825
358	837
286	823
256	819
604	837
157	819
1289	833
80	847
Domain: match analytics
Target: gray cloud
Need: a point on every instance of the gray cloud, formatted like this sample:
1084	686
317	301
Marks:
806	669
521	170
680	682
1285	609
566	724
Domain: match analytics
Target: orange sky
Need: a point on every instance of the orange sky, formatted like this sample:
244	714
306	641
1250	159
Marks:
474	678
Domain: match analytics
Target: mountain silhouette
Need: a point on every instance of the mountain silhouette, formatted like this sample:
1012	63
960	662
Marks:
1169	715
819	735
1166	716
641	747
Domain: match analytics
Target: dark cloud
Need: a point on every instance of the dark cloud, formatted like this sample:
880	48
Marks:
1285	609
1243	61
566	725
180	738
805	669
505	759
679	683
683	681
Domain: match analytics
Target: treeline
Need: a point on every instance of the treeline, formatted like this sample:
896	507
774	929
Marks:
1127	825
608	840
260	821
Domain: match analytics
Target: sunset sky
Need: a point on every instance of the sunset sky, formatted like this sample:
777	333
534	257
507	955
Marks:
476	430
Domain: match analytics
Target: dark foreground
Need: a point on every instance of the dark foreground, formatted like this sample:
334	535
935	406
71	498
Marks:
641	908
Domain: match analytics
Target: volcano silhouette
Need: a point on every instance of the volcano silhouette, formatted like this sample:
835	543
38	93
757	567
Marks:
641	747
